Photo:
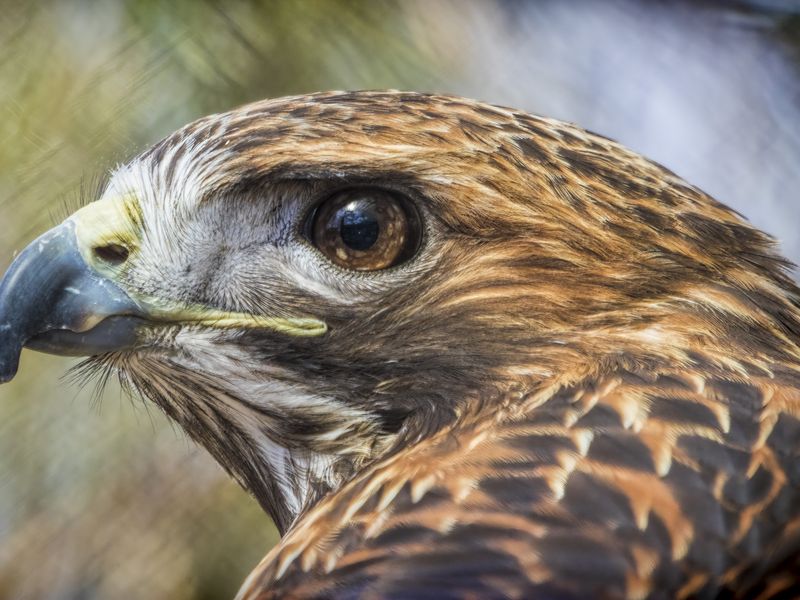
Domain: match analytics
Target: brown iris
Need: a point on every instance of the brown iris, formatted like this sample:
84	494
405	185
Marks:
365	229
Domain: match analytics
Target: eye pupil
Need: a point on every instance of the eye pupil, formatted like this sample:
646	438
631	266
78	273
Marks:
365	229
359	228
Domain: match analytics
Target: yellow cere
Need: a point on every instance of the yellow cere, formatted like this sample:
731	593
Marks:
105	222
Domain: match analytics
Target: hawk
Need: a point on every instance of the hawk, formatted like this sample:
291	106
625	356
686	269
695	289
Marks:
454	350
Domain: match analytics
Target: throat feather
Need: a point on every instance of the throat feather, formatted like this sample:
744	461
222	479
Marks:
285	444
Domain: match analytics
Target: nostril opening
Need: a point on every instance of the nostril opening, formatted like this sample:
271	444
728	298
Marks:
113	254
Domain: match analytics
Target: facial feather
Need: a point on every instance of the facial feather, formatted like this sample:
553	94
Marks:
546	250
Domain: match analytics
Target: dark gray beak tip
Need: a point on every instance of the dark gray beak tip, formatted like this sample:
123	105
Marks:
8	368
10	349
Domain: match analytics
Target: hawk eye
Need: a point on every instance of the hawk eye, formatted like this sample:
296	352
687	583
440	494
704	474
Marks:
365	229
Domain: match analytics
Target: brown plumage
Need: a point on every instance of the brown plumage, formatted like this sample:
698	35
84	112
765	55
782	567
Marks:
583	382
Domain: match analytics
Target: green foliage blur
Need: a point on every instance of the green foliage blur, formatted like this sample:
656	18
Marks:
103	498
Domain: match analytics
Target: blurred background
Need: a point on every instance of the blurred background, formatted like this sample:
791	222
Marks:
102	498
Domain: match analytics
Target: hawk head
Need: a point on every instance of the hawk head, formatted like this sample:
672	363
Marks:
311	283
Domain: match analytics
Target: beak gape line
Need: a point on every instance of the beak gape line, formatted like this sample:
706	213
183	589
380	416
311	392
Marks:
57	298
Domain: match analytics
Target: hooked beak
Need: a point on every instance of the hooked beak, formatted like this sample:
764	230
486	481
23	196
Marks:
51	300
